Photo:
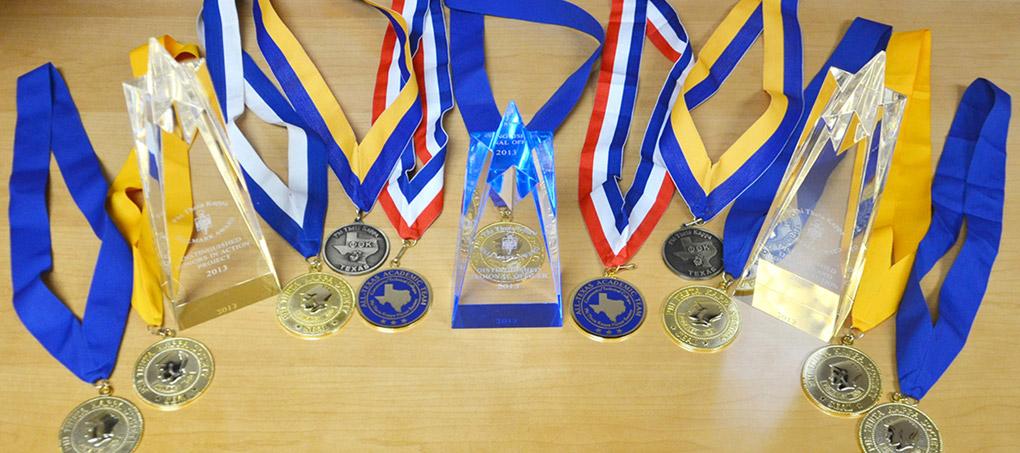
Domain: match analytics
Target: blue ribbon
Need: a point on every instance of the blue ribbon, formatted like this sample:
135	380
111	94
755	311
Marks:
862	41
968	187
467	49
48	120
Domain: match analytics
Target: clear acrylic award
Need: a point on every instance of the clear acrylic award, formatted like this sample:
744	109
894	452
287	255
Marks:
806	264
212	256
508	260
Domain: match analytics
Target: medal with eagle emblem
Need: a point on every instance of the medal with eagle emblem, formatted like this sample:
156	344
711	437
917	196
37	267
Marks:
315	304
607	308
701	318
395	298
693	253
173	371
842	380
897	427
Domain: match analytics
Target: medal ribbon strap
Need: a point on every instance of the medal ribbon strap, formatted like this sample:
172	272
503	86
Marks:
862	41
48	121
619	225
968	186
905	211
131	215
412	203
467	29
362	168
708	187
297	209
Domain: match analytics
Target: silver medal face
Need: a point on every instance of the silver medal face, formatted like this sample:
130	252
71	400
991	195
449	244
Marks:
898	427
842	380
693	253
356	249
105	424
173	372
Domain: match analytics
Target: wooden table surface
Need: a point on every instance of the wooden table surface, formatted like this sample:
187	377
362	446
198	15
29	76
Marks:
434	388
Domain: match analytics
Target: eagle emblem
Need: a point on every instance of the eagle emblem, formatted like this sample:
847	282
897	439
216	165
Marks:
703	317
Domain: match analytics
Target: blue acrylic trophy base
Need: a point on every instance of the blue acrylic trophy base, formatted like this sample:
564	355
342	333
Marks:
478	316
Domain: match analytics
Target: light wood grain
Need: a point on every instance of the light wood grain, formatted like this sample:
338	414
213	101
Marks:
433	388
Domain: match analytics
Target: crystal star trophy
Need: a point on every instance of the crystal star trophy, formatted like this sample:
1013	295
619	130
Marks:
806	263
508	259
211	254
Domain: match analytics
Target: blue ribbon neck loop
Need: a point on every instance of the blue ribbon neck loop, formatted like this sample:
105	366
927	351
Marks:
969	187
48	120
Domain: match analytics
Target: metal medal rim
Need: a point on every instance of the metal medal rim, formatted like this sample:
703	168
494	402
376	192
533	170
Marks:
677	271
386	256
286	303
390	329
829	410
734	313
594	336
138	414
474	249
861	434
172	407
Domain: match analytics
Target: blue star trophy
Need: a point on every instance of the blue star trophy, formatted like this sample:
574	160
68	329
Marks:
508	260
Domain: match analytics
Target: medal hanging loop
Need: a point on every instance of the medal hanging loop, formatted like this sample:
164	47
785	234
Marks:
407	244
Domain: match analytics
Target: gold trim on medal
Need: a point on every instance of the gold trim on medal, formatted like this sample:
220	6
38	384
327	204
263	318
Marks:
104	424
701	318
315	304
173	372
898	427
841	380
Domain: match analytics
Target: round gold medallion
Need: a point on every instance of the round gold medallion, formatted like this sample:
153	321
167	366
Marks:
173	372
898	427
507	252
315	304
842	380
105	424
701	318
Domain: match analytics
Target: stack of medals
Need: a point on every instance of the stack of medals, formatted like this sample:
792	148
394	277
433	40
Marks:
315	304
48	120
397	298
698	318
175	370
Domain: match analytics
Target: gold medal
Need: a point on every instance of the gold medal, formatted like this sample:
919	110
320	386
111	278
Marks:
898	427
315	304
507	252
842	380
104	424
173	372
701	318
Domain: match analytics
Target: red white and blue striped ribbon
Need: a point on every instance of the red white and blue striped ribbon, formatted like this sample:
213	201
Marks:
620	223
413	195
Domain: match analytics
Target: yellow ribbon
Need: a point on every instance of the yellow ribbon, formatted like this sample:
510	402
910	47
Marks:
130	214
361	156
711	174
905	209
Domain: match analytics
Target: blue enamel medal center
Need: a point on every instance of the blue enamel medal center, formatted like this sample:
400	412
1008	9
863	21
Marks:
608	308
394	298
